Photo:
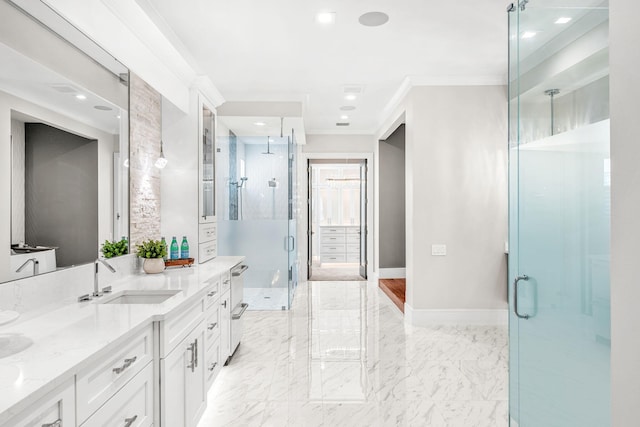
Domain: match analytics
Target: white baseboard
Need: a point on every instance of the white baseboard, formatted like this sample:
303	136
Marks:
421	317
392	273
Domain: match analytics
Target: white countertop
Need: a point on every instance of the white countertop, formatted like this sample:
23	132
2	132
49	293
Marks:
63	339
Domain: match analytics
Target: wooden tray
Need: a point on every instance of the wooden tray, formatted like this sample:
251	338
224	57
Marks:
180	262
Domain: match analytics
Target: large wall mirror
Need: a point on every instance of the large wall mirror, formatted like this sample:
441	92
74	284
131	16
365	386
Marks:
63	143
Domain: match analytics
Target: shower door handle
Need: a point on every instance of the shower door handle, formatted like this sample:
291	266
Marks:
515	296
291	240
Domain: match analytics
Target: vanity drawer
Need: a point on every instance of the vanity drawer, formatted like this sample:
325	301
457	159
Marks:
332	249
132	406
330	239
178	325
353	248
332	230
207	251
333	258
207	232
213	365
96	385
57	407
213	291
212	324
353	238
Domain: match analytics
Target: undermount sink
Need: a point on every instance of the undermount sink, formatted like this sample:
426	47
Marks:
139	297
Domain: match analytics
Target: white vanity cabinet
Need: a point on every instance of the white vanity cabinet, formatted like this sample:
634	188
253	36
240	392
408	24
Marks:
182	393
55	410
339	244
104	378
181	377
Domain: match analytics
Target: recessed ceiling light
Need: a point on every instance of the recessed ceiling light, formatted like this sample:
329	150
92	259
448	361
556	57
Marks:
260	124
373	19
528	34
344	117
350	97
347	108
326	18
81	97
563	20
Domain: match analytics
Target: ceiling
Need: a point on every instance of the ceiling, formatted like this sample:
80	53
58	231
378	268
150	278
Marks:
276	51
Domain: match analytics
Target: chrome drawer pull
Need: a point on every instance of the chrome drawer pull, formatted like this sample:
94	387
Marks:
192	364
212	293
244	307
125	365
212	326
129	421
213	366
224	304
226	282
56	423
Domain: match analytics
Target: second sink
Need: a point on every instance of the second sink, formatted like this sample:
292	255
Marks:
139	297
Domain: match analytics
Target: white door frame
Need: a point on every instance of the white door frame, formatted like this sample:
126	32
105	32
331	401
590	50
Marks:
303	194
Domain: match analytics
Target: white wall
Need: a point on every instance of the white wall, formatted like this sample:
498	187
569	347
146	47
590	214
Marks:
456	183
179	179
625	211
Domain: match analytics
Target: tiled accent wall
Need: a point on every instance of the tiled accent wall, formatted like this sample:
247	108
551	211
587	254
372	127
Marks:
145	128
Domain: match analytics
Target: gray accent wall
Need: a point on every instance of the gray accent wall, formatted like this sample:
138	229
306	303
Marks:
392	200
61	188
625	211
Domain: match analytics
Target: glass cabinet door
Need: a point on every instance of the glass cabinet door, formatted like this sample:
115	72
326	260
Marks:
207	165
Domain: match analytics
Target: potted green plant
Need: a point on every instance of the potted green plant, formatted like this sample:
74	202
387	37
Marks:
115	248
153	252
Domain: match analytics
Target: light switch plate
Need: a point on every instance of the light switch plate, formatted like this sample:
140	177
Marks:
438	250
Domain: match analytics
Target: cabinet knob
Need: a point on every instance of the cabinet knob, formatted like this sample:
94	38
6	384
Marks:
213	366
212	326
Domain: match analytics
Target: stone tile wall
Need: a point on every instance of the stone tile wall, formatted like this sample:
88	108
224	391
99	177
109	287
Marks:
145	128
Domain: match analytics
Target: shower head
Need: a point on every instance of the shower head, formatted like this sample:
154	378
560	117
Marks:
268	146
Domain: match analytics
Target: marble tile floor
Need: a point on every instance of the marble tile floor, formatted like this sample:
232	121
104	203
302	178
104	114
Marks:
342	356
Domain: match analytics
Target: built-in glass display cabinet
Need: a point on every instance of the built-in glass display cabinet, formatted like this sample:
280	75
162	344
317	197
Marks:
207	165
207	229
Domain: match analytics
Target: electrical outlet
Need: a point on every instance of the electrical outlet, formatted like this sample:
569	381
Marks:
438	250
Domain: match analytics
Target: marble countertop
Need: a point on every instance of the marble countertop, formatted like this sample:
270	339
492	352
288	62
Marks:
59	342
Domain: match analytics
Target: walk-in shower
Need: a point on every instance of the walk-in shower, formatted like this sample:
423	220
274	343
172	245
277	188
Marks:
255	218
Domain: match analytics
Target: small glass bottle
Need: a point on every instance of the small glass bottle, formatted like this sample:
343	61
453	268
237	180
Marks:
184	248
175	249
164	242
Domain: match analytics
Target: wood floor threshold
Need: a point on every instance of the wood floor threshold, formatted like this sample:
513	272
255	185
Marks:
395	289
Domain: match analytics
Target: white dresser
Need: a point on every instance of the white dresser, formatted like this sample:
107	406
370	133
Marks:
339	244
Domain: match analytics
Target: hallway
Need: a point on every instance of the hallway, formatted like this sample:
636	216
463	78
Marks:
342	356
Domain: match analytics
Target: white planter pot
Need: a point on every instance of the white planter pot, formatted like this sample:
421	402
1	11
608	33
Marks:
153	265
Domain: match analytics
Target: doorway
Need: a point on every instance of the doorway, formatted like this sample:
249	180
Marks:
337	223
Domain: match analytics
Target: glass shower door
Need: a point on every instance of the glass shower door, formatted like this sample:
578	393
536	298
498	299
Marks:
559	215
293	224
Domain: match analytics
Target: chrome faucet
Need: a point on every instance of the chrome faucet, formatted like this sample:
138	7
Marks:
97	262
35	265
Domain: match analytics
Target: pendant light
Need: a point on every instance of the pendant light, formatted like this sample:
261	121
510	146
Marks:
162	160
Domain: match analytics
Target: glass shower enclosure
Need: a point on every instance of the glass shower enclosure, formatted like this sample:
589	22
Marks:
559	213
257	214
